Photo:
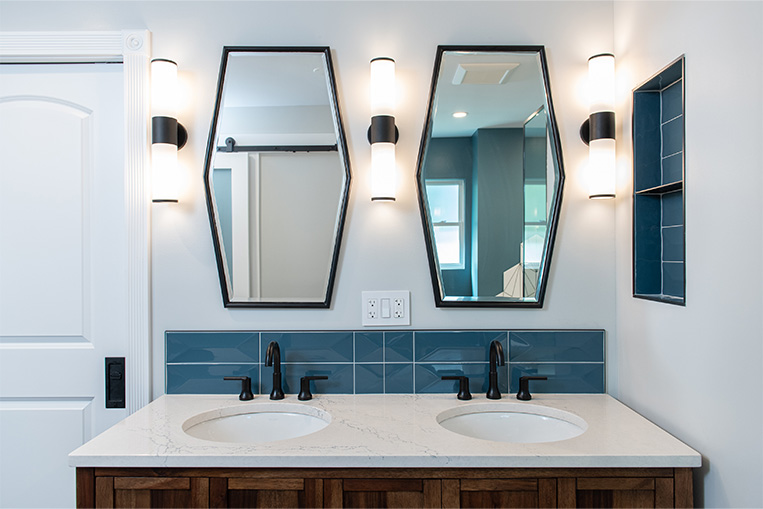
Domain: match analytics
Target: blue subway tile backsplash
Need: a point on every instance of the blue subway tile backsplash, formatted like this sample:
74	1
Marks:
456	346
551	346
226	347
378	362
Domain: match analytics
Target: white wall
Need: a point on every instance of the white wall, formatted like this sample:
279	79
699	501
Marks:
697	371
383	244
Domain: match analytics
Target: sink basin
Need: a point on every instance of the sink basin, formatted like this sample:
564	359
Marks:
512	422
257	423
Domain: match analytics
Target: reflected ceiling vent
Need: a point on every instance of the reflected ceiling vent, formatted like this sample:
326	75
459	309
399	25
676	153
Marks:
495	73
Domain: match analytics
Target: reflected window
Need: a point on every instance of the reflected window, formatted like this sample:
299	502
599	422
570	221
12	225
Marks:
535	224
446	207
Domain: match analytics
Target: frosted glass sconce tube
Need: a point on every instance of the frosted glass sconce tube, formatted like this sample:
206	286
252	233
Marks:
383	134
598	131
167	135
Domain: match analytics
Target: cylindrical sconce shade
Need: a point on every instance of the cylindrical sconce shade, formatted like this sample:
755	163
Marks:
601	126
164	172
164	80
601	168
383	172
383	134
382	86
601	82
164	142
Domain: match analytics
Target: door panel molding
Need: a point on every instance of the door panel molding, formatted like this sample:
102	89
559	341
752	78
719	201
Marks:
133	49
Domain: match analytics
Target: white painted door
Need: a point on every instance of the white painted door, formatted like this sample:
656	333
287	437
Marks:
63	270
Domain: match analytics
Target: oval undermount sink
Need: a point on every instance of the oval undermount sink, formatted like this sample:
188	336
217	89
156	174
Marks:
258	423
512	422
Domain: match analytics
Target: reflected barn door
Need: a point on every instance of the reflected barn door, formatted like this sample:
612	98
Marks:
63	270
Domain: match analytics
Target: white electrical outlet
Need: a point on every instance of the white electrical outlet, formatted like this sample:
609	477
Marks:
386	309
372	308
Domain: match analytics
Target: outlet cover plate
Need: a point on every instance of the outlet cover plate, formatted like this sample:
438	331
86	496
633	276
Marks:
400	303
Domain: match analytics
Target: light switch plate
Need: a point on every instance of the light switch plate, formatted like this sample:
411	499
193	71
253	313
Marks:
386	309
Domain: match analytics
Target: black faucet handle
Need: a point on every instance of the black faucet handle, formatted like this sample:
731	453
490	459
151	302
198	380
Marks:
524	386
463	386
246	387
304	386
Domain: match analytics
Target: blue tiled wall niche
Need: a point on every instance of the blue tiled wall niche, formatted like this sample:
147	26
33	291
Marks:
658	186
384	362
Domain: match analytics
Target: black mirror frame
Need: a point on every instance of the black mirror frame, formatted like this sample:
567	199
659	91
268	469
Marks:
342	142
554	211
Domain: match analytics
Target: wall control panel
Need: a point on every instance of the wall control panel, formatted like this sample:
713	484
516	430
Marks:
388	308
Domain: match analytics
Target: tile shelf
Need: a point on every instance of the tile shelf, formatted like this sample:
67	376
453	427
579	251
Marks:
658	181
663	189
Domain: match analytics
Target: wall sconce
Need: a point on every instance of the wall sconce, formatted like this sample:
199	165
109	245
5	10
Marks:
383	134
167	135
598	131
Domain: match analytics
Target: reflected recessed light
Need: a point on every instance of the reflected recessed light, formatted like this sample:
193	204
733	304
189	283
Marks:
460	114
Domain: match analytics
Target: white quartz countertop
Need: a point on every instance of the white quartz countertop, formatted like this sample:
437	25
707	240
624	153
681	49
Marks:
384	431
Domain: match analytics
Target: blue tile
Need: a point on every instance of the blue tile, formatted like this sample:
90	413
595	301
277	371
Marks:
369	378
398	346
339	381
208	378
673	137
673	209
556	346
673	168
429	377
646	140
673	244
648	245
647	278
562	378
311	346
212	346
456	346
369	346
672	73
672	101
398	378
673	279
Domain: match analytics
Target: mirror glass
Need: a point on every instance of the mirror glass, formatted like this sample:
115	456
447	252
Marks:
490	176
277	177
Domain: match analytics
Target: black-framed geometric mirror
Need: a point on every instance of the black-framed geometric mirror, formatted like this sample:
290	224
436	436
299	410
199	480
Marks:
276	177
490	176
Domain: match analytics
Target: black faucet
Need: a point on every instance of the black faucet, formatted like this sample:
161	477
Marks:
463	386
524	387
273	358
246	387
496	359
304	386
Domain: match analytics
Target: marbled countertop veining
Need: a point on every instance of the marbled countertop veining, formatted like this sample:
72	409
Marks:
384	431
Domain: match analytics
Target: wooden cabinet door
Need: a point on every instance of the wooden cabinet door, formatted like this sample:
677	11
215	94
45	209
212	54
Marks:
254	492
499	493
382	493
155	492
623	492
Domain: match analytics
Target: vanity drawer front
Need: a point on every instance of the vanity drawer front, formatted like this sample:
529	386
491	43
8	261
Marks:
382	492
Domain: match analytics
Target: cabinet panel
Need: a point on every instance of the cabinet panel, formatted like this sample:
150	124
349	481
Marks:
253	492
499	493
151	492
391	493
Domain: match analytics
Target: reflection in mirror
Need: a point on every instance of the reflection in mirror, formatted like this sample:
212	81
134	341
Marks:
490	176
277	177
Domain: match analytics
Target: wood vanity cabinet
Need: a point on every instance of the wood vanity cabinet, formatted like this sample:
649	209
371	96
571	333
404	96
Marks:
384	487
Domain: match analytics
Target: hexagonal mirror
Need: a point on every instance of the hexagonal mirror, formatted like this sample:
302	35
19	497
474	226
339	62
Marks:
277	177
490	176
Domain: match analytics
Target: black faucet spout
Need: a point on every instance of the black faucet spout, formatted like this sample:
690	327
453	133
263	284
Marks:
273	358
496	359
